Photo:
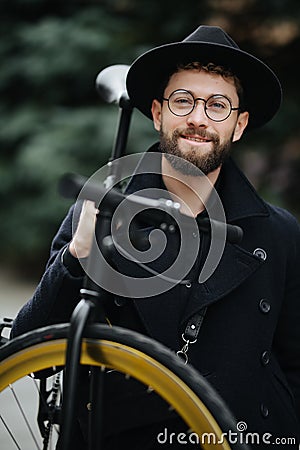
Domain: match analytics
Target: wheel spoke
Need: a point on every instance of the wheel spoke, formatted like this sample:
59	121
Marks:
9	432
24	416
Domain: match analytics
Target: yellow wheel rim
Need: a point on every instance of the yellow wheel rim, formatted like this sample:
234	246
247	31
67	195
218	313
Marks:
105	353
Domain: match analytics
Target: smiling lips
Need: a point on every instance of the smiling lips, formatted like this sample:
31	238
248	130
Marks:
195	138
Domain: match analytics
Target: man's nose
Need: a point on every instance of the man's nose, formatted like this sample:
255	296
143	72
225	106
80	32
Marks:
198	116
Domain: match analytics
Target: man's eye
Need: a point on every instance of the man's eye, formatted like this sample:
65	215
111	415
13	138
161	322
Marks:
182	101
216	105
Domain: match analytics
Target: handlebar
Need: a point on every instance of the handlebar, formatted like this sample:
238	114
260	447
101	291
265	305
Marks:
156	212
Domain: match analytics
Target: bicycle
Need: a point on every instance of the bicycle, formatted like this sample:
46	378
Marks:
63	348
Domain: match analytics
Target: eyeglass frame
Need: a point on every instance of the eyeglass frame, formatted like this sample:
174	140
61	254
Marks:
205	102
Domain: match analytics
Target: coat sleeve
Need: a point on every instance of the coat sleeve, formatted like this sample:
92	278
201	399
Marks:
58	290
287	338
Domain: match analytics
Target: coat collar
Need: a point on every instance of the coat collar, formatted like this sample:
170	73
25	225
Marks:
238	196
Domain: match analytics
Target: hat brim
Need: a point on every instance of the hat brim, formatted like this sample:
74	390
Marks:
262	89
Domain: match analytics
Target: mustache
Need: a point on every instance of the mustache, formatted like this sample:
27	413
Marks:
196	132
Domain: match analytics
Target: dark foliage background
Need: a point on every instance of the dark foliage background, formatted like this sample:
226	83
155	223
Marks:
53	121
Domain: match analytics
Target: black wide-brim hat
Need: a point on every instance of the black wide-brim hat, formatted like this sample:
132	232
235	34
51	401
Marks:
262	89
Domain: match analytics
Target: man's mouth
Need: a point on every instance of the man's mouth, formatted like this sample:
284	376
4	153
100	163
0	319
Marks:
195	138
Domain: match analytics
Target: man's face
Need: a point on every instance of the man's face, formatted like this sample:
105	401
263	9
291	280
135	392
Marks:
194	137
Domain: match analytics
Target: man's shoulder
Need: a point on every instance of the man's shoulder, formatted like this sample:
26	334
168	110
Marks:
283	219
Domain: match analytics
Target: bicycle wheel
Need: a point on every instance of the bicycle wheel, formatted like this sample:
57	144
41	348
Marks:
133	354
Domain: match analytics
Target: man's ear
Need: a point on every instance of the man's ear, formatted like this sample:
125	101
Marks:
156	114
241	124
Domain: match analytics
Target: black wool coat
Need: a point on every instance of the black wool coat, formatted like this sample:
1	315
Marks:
248	347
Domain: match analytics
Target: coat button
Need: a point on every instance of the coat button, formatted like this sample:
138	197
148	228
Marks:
264	306
264	410
265	358
119	301
261	253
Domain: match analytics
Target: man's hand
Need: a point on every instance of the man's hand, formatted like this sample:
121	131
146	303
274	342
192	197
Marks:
81	243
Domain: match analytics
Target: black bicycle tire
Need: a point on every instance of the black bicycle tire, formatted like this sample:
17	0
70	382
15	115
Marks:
192	378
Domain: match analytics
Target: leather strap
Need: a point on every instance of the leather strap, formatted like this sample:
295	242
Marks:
194	324
190	334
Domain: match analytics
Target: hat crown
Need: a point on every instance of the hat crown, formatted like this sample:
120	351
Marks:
211	35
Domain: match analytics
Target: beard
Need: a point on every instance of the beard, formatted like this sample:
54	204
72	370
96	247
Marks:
189	163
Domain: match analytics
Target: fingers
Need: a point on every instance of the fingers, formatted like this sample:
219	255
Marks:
81	243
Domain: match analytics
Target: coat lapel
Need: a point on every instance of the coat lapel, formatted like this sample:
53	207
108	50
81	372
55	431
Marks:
226	277
240	202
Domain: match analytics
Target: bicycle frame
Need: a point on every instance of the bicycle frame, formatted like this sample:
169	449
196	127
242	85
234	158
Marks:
90	306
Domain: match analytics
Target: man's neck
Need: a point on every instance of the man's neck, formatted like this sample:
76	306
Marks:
192	192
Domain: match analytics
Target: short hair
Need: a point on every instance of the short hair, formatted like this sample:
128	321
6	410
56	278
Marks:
210	67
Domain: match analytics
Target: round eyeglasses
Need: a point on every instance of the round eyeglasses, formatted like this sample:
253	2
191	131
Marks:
217	107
